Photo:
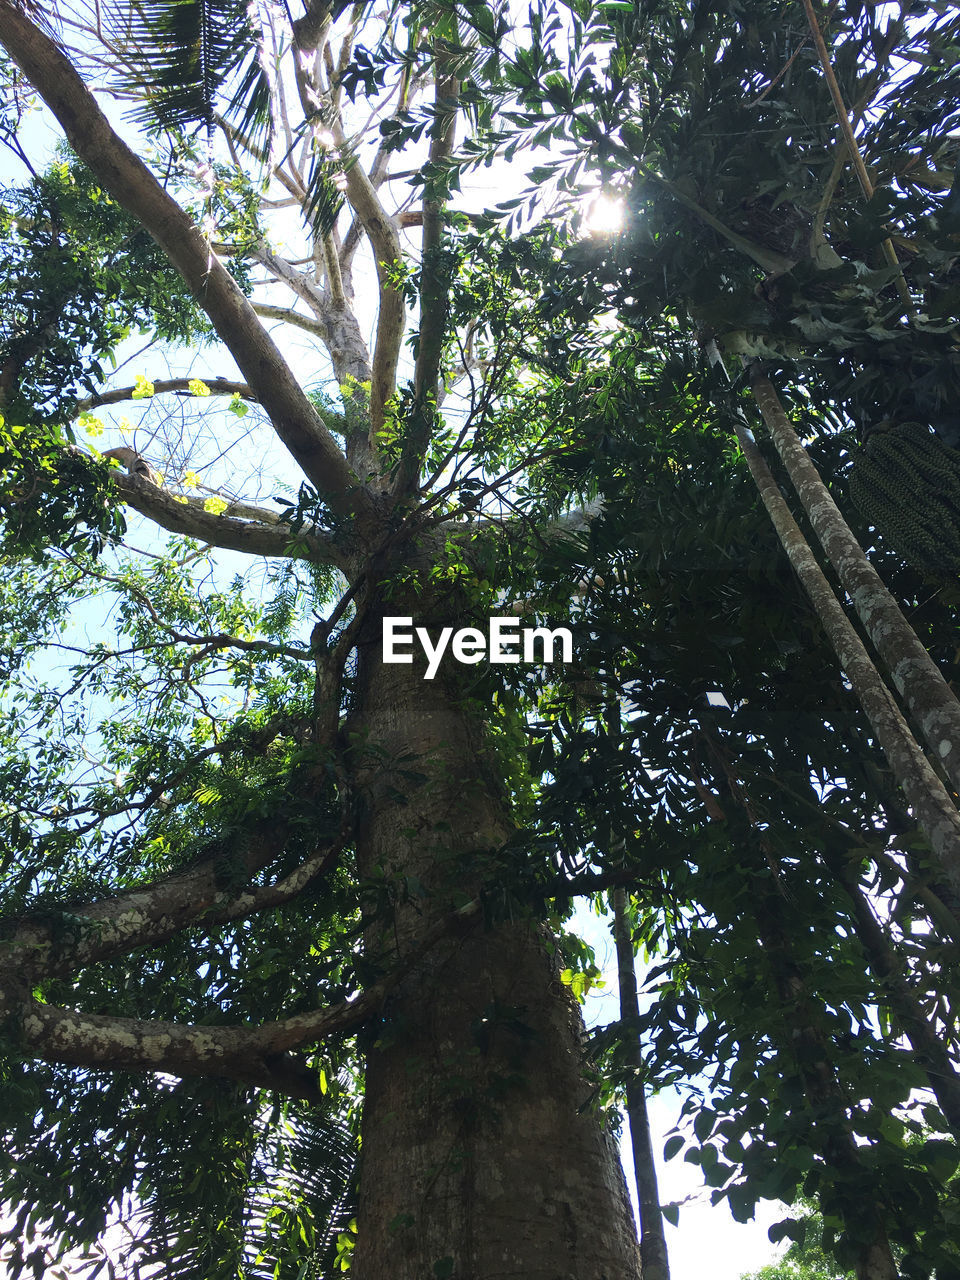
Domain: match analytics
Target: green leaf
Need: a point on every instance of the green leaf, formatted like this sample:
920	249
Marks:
672	1146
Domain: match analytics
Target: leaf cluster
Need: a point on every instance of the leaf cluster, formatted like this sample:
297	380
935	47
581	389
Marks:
52	496
78	275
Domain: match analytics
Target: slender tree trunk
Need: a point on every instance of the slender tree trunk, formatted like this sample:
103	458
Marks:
930	700
805	1042
653	1244
930	1050
928	797
476	1161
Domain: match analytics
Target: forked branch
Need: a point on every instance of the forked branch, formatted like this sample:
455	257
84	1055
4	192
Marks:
238	1052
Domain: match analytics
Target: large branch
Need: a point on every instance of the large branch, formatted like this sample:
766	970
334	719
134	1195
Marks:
377	175
338	327
248	1054
147	914
336	323
310	30
251	1055
267	311
186	515
131	183
300	284
385	241
573	522
561	528
434	278
153	914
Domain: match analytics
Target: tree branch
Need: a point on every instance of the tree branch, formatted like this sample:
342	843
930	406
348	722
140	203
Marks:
331	264
186	515
434	277
300	284
217	386
853	150
148	914
556	530
233	135
571	522
127	178
250	1055
337	325
269	312
311	30
385	240
351	241
238	1052
339	329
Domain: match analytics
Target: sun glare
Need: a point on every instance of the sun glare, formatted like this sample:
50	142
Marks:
604	214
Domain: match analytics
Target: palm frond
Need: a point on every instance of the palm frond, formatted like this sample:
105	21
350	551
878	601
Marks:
298	1217
190	58
261	1195
324	191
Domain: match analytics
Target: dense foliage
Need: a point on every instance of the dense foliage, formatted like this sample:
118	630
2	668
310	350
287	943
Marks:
175	722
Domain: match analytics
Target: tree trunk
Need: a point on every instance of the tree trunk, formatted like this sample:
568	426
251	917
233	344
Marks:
653	1243
928	797
930	700
475	1159
804	1041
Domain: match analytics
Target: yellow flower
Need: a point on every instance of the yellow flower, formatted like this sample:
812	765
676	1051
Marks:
216	506
197	387
91	425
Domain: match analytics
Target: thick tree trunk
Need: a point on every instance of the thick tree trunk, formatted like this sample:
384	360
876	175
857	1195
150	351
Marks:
476	1161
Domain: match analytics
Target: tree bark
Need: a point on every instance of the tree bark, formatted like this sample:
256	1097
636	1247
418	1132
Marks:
653	1244
476	1161
928	797
930	700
